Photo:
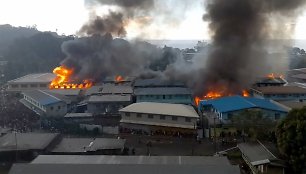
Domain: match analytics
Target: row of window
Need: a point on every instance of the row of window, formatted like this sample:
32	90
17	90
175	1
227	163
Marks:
161	117
31	85
284	95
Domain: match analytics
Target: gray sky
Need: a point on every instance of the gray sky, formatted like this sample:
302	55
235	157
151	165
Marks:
67	16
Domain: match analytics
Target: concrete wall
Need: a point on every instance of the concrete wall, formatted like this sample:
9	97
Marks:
17	87
157	119
178	99
273	115
56	110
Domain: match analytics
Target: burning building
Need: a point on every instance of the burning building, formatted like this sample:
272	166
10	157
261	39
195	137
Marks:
237	55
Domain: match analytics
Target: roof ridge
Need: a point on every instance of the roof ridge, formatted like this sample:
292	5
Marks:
251	103
50	95
267	149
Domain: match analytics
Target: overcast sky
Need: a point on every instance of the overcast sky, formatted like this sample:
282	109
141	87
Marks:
67	16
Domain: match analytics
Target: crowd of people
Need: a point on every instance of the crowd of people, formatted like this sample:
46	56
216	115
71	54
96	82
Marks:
15	115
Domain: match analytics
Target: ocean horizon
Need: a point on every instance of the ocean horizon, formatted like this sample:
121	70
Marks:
182	44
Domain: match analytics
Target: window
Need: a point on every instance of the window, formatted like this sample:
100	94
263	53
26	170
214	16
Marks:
138	115
127	114
188	119
164	97
58	107
277	116
43	85
157	97
33	85
51	108
162	117
15	86
174	118
24	85
170	96
150	116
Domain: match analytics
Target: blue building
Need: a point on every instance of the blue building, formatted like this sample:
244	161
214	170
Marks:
226	107
176	95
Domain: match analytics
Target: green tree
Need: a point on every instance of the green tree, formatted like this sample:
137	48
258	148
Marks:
253	123
291	139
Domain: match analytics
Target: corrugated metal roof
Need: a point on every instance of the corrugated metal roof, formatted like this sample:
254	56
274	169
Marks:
42	97
88	144
157	83
26	141
161	109
233	103
115	159
116	89
162	91
35	78
256	153
122	169
109	98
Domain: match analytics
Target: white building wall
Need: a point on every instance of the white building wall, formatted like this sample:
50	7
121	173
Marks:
56	109
156	119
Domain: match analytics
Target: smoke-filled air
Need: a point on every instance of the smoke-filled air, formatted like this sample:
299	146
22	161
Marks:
240	48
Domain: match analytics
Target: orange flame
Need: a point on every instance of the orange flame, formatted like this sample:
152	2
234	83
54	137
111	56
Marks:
273	76
215	94
245	93
63	78
119	78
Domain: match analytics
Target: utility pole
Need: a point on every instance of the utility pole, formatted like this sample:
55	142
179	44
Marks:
16	157
215	135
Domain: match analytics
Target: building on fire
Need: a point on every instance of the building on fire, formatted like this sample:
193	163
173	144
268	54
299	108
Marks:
221	111
31	82
159	118
270	81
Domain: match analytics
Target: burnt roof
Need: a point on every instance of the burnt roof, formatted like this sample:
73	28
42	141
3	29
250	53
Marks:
268	80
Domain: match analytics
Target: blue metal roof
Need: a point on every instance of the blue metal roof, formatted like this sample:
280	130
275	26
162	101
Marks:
42	97
234	103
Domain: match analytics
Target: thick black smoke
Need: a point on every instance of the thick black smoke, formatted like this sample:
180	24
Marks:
112	23
99	56
115	22
240	29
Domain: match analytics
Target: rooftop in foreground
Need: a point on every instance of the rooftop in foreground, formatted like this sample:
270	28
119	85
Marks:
109	159
162	109
88	144
26	141
121	169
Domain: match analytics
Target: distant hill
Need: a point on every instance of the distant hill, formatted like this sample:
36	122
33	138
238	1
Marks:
9	33
28	50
